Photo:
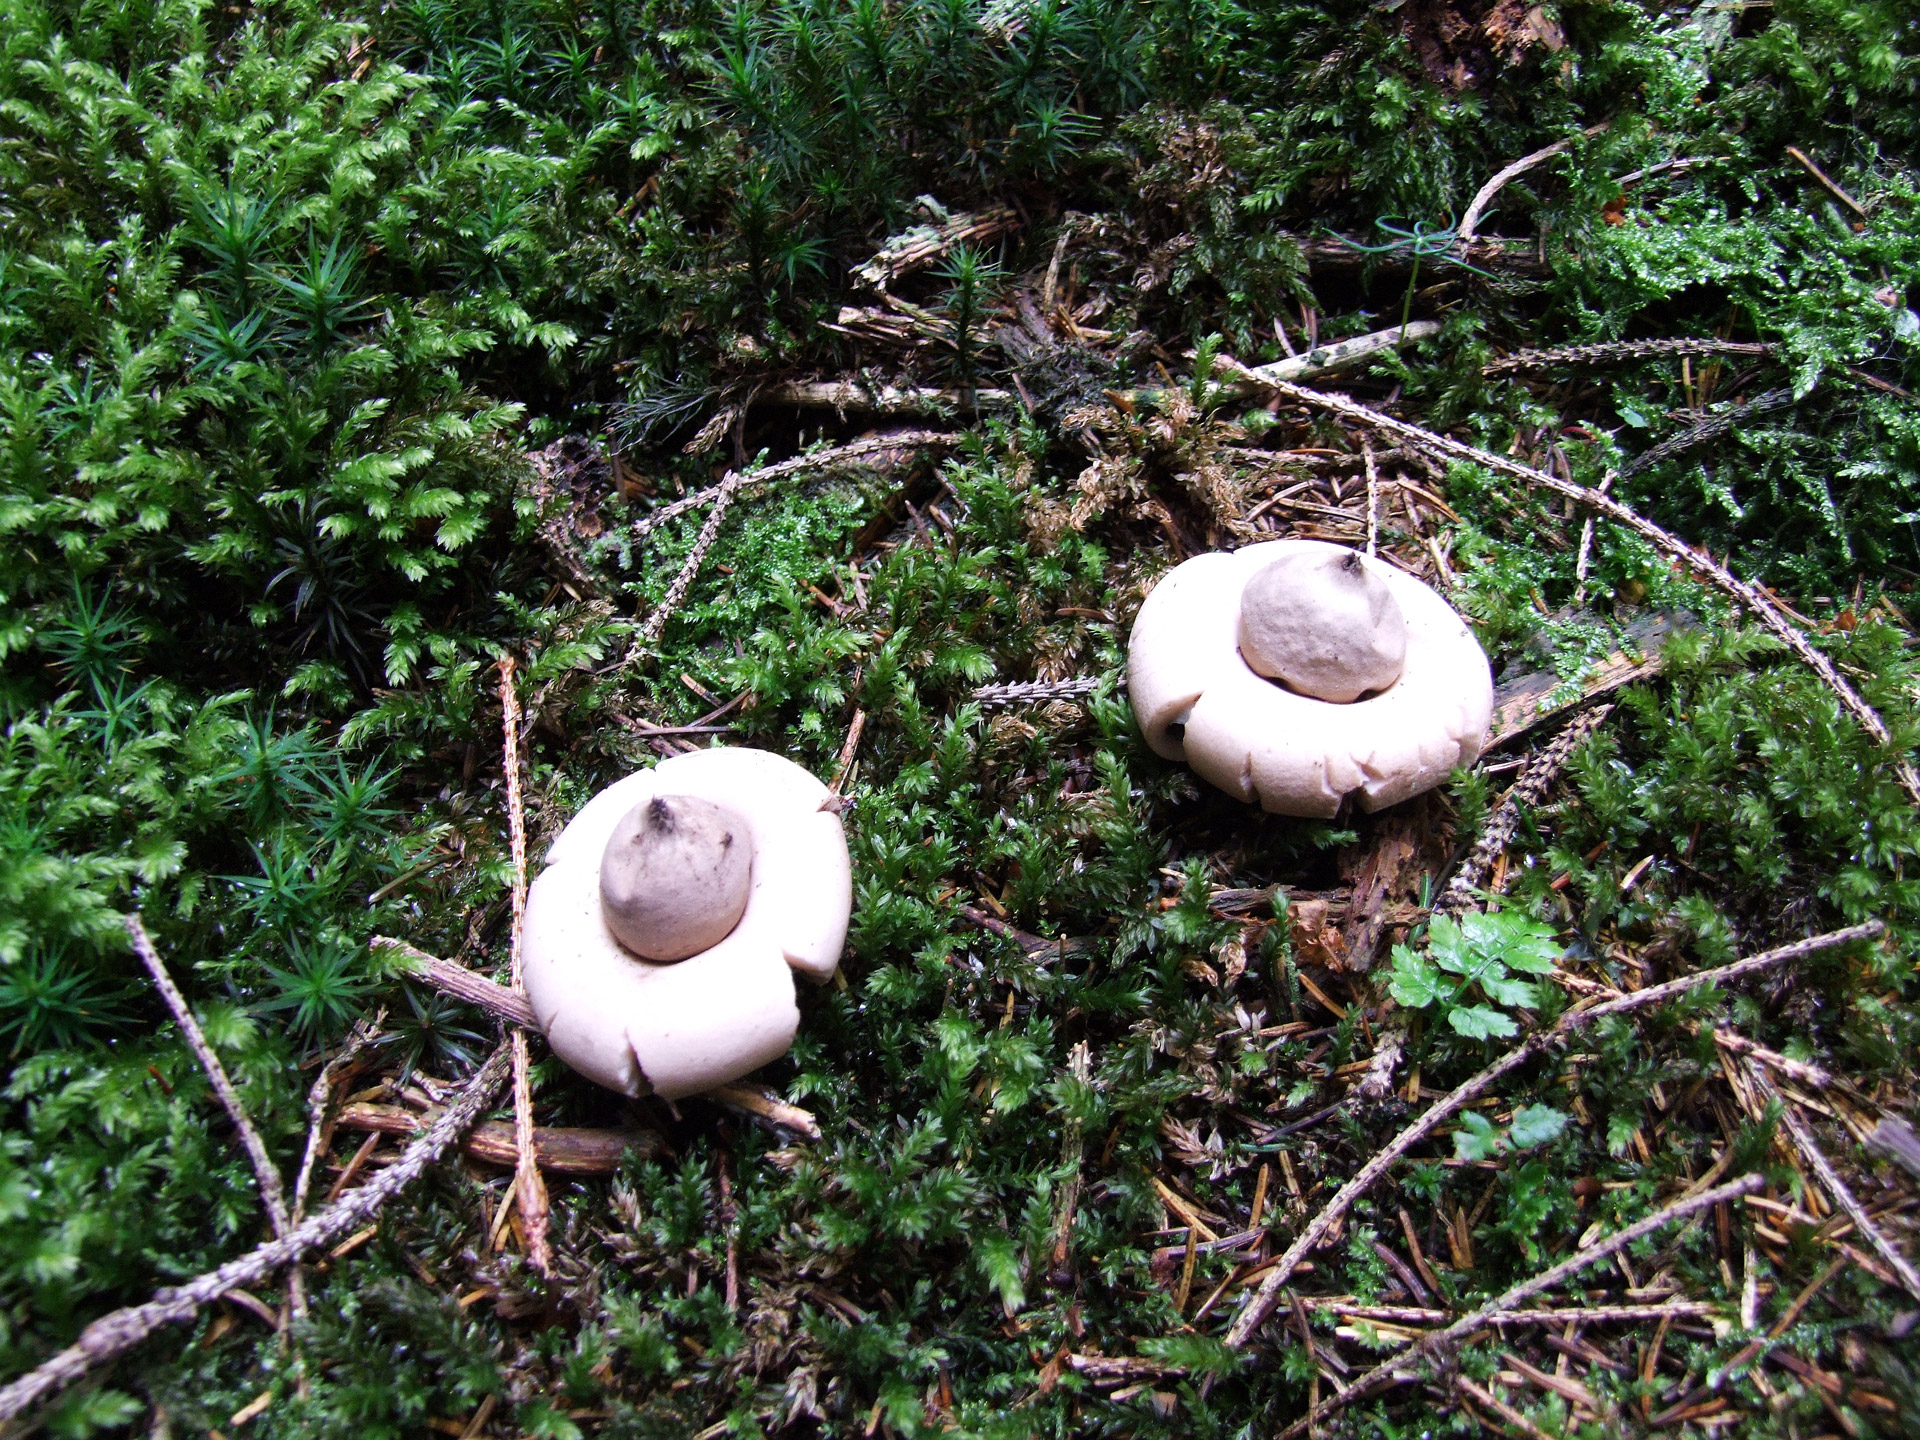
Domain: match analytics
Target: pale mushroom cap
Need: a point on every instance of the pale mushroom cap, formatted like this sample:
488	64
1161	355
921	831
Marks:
673	878
678	1029
1324	625
1197	700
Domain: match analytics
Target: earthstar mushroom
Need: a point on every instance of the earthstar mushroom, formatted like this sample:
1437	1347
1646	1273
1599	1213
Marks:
1301	610
676	1027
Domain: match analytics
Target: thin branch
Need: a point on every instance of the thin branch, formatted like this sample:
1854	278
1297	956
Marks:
1436	1345
799	464
319	1100
459	982
1261	1305
1478	208
1826	183
1610	351
264	1173
655	623
531	1189
1842	1194
851	397
1748	596
114	1334
1532	784
1709	429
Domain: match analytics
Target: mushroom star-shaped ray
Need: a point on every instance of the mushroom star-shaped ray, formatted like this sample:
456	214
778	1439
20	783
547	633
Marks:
676	1028
1197	699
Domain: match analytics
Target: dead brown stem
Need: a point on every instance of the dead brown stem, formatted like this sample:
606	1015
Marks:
531	1190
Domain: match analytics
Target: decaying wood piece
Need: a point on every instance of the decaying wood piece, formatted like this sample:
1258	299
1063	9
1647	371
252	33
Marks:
1261	1304
1435	1347
1748	596
1325	359
763	1104
921	246
1509	256
1612	351
530	1190
566	1150
1391	867
1523	702
1528	790
264	1173
114	1334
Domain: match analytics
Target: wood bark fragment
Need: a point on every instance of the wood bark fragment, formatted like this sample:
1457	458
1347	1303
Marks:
566	1150
1893	1139
1390	868
1524	702
114	1334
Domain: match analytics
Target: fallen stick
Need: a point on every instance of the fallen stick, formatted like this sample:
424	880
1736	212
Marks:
1841	1192
114	1334
1709	429
319	1098
1255	1312
530	1190
1610	351
1432	1346
566	1150
799	464
459	982
1747	596
1323	359
1556	1315
264	1173
1528	790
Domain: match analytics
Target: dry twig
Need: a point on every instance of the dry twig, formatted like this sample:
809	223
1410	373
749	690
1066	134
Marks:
1749	597
1261	1305
1610	351
264	1173
1470	222
114	1334
1505	820
530	1188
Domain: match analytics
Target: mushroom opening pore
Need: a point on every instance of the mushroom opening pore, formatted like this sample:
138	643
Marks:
675	875
1324	625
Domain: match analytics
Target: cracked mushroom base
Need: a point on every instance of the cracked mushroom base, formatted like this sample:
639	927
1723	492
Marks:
677	1029
1197	700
